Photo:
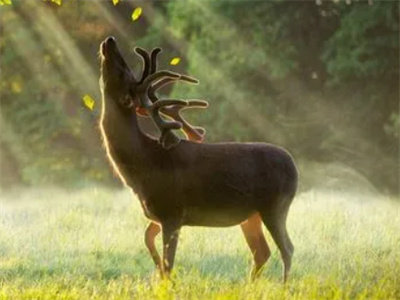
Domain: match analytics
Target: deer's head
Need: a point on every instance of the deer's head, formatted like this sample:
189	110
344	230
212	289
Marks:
117	80
139	96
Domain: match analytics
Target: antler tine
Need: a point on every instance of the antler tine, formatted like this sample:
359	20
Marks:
153	59
189	79
167	102
197	103
146	62
158	75
163	82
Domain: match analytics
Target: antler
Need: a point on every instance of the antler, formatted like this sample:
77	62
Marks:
152	81
192	133
153	59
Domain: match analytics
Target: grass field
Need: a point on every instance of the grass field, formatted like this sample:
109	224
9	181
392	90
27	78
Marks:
89	245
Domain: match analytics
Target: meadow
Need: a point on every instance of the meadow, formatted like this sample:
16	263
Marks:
88	244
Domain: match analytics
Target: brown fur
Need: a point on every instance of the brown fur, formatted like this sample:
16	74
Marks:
195	184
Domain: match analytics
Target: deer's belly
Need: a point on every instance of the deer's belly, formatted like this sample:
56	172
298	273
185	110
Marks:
194	216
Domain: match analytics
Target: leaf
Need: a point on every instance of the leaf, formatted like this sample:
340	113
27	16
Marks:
88	102
58	2
115	2
136	13
174	61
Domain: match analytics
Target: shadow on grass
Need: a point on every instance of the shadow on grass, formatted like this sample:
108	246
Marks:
106	265
103	265
233	268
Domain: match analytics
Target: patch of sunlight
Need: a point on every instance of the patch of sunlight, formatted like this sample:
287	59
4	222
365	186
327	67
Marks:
254	117
5	2
88	244
10	263
79	66
16	87
58	2
112	17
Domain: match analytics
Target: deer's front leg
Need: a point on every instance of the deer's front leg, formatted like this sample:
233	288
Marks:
170	232
152	230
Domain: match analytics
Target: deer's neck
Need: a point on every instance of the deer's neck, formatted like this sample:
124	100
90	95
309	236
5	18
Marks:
125	143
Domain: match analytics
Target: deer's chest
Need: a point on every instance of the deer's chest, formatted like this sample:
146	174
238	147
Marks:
160	210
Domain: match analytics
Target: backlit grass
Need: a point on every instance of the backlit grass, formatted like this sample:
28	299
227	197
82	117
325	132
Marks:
89	245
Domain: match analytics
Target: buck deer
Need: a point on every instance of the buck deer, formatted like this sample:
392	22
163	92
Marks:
183	183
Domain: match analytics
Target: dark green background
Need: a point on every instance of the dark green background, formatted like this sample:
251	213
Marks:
320	79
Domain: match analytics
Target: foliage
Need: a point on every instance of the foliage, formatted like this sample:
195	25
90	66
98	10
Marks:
48	130
89	245
365	45
319	78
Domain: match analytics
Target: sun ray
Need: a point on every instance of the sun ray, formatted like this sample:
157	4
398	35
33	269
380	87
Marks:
53	31
255	118
112	19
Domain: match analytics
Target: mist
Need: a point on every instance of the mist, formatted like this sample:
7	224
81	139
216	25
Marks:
320	79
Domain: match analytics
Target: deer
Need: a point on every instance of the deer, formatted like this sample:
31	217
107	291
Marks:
185	182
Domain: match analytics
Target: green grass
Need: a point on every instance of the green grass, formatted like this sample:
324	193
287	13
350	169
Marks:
89	245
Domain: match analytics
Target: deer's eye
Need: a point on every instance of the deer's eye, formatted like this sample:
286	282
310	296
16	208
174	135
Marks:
126	101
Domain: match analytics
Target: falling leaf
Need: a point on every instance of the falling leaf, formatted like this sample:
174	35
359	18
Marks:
136	13
88	102
115	2
174	61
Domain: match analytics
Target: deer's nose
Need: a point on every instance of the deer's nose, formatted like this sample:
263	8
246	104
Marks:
110	40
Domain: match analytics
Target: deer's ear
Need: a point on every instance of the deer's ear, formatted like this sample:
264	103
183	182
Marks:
141	111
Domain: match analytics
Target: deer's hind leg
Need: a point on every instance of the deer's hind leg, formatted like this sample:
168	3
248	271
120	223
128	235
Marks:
152	230
275	222
252	231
